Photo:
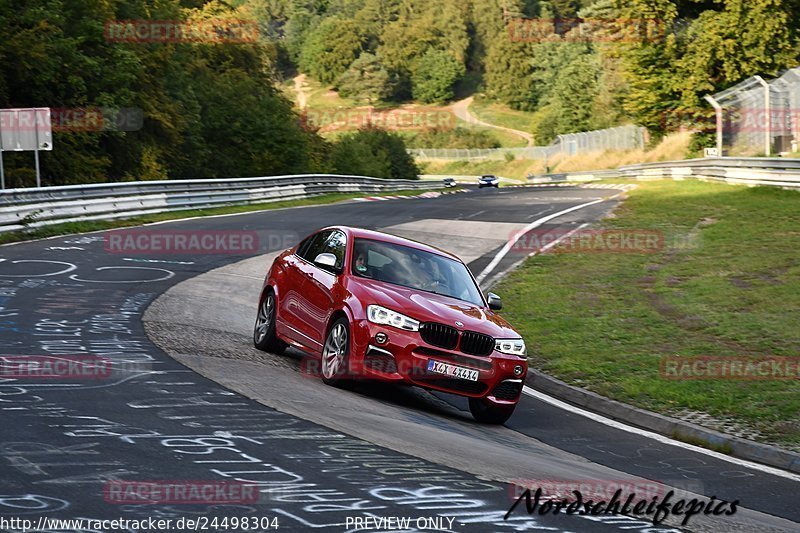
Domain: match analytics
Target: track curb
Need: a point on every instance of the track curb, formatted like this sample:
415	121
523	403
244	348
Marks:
668	426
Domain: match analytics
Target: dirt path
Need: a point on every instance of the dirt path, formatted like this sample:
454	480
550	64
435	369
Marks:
461	110
301	90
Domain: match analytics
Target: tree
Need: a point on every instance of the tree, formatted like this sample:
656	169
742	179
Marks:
509	73
435	74
716	49
421	25
330	48
747	37
366	80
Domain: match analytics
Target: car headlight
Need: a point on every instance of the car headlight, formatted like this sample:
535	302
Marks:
511	347
380	315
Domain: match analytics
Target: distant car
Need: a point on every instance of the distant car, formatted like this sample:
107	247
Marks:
488	181
449	182
374	306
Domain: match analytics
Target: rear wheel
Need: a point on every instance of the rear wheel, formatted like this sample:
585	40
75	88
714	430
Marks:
487	412
264	337
336	353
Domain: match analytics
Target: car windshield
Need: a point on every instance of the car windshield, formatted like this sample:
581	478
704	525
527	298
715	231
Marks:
413	268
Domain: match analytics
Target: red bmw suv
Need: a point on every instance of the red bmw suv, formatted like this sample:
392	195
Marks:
375	306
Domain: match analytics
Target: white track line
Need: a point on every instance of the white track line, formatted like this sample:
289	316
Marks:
545	248
656	436
535	224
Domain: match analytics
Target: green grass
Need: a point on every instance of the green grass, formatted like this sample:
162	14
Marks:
501	115
505	138
69	228
603	321
516	169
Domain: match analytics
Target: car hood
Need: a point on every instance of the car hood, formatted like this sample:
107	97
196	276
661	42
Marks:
430	307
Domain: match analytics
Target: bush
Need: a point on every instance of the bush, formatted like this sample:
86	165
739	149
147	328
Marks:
699	142
373	152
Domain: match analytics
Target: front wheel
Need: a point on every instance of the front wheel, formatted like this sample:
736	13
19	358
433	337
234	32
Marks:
264	337
487	412
336	353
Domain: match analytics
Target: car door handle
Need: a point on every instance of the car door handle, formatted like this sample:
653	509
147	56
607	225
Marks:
309	274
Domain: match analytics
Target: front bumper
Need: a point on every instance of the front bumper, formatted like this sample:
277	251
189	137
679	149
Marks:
404	356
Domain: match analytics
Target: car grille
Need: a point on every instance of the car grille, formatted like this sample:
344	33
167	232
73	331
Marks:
507	390
444	336
470	362
455	385
475	343
439	335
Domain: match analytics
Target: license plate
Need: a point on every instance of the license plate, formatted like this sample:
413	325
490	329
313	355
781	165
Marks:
452	370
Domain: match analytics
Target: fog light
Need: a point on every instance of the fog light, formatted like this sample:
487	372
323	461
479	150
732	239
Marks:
518	370
381	338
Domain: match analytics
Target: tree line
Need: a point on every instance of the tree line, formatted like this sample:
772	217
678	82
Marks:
213	108
577	64
210	106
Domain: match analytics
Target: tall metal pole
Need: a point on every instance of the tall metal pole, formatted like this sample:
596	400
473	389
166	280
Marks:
36	148
768	118
2	173
718	111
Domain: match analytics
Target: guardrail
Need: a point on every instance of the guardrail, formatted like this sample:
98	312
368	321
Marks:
28	208
744	170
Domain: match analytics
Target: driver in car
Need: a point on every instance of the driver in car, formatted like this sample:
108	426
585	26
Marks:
360	264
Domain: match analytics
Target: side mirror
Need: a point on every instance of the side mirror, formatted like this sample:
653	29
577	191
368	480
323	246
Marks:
325	260
495	303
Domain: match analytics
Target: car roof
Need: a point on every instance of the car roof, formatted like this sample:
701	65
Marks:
361	233
488	176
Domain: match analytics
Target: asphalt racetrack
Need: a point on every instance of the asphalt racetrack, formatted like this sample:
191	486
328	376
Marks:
188	397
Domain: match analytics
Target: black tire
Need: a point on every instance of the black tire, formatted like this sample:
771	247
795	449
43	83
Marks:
335	362
486	412
264	337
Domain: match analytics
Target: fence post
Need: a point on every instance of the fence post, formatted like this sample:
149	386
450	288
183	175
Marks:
718	111
768	111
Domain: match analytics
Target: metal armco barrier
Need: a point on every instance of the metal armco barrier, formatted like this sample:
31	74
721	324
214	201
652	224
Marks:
745	171
28	208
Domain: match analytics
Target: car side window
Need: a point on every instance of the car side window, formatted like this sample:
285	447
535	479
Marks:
315	246
303	246
336	245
